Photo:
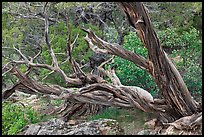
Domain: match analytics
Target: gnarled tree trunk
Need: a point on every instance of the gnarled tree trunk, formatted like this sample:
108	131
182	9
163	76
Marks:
180	103
92	89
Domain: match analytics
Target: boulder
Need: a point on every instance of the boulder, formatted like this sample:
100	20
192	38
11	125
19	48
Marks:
147	132
59	127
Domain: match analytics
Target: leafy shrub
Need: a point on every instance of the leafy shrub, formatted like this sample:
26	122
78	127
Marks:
110	34
187	44
13	118
193	78
189	51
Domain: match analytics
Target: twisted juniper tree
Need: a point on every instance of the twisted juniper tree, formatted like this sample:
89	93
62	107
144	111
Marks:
86	92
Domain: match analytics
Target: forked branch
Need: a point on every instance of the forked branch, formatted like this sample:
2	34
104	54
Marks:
115	49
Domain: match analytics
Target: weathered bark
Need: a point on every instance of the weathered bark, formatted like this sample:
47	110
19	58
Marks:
158	64
161	68
89	99
91	90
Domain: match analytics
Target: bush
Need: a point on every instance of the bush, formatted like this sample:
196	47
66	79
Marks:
193	78
187	44
189	52
13	118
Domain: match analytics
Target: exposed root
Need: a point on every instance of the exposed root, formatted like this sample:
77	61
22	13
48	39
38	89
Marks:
189	125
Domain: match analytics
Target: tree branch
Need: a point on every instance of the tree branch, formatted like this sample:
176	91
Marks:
54	59
95	48
115	49
114	78
98	93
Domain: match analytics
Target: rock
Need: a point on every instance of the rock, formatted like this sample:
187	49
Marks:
151	124
33	130
59	127
72	122
143	132
147	132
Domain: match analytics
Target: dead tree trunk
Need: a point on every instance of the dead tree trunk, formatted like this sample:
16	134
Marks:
176	104
161	68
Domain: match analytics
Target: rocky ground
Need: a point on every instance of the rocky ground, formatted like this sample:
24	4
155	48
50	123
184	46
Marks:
96	127
59	127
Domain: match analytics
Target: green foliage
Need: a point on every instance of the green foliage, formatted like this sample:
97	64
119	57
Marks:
128	72
57	102
188	47
13	118
110	34
193	45
81	51
25	34
178	15
12	36
187	40
193	78
107	113
130	119
120	115
169	38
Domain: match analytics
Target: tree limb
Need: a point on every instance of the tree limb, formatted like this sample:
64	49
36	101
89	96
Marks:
115	49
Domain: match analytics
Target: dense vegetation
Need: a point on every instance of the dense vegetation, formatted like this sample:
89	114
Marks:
179	31
14	119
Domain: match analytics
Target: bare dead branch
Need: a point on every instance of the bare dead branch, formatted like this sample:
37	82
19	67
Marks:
6	94
23	56
47	75
55	69
115	49
95	48
38	54
105	62
72	44
114	78
54	59
6	72
44	7
99	93
75	66
69	50
6	65
24	16
64	61
188	122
